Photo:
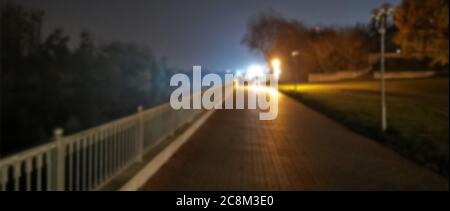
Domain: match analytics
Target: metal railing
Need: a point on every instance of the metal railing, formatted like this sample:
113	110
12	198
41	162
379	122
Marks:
90	159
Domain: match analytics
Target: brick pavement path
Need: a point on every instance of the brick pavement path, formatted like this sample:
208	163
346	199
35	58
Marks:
300	150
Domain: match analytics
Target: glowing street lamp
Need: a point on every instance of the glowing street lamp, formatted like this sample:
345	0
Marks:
276	63
276	66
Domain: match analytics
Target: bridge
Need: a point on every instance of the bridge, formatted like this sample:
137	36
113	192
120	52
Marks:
165	149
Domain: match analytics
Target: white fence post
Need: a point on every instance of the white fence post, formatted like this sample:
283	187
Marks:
60	161
140	135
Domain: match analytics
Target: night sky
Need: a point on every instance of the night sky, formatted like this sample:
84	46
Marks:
188	32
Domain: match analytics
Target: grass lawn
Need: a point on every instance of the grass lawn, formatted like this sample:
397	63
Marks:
418	118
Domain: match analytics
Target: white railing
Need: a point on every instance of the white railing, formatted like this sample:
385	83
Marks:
90	159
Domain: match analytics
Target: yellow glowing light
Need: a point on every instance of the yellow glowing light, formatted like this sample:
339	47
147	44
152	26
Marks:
276	63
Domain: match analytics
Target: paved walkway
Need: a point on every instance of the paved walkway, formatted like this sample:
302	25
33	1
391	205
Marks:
301	150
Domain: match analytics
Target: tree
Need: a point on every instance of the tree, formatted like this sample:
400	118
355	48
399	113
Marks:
423	29
317	49
264	30
20	37
20	33
45	84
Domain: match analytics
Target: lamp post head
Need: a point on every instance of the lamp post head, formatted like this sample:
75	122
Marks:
381	16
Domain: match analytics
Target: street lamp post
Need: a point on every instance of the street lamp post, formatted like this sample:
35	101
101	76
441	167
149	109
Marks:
381	17
294	54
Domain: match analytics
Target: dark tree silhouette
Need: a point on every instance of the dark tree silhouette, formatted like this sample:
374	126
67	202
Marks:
45	84
307	49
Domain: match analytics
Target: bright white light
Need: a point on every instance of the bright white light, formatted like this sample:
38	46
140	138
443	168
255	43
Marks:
277	73
276	65
238	73
254	71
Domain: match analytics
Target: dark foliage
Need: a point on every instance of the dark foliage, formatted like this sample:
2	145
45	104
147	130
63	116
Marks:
46	84
308	49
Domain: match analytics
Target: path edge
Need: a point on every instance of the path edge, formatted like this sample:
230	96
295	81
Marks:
150	169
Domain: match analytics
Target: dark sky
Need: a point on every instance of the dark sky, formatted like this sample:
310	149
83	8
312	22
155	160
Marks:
188	32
